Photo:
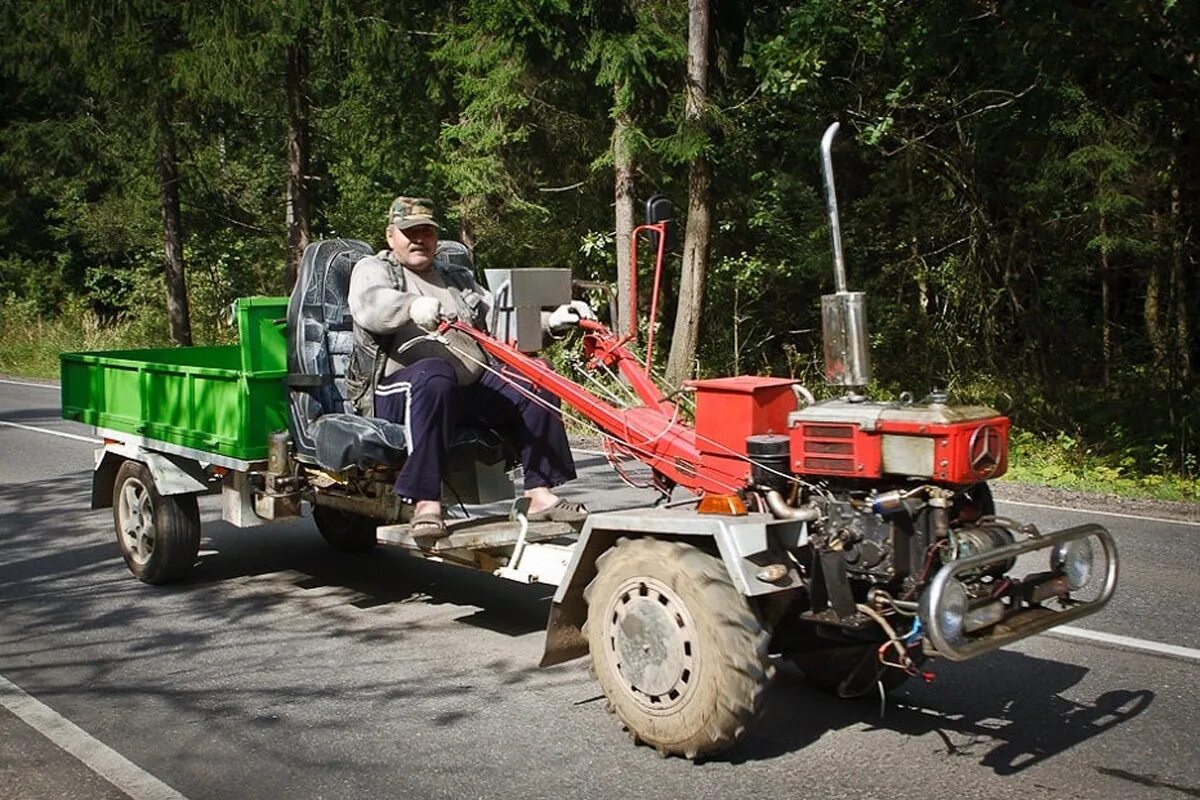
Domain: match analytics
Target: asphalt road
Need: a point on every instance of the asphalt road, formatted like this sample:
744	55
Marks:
283	669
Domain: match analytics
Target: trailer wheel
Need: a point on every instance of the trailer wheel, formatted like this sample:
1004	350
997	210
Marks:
345	532
159	536
678	651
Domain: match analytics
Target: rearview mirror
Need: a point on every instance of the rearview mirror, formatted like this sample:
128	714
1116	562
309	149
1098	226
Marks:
660	209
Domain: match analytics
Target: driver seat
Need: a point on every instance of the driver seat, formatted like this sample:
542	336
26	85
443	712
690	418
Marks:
324	428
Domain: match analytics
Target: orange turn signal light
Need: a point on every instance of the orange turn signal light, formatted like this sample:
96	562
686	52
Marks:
728	504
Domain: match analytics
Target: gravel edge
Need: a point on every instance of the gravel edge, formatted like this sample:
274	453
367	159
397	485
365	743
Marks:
1109	503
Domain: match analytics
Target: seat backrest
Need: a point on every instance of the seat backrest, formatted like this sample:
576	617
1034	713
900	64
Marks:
321	331
320	335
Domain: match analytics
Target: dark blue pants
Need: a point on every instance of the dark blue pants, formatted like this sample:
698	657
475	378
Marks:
439	407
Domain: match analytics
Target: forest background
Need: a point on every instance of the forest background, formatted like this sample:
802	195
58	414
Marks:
1019	182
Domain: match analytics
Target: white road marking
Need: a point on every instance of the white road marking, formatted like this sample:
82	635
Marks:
1138	517
1144	645
53	386
95	755
63	434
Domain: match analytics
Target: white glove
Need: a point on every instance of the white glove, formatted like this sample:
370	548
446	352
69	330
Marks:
568	315
425	311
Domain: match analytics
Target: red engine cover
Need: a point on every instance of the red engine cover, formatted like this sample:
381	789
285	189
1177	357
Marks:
948	444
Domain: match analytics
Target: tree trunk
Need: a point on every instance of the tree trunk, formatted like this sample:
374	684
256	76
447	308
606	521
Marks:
623	193
466	232
1151	306
178	316
1107	303
699	221
1153	316
296	85
1179	292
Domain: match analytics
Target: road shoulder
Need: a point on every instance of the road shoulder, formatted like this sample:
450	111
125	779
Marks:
31	766
1085	501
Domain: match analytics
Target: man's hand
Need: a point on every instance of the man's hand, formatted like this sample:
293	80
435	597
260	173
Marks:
427	312
568	316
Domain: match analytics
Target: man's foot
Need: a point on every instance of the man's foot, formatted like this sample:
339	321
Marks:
427	520
428	526
561	511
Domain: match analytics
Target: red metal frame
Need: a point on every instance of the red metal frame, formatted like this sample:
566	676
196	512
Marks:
659	228
653	433
960	453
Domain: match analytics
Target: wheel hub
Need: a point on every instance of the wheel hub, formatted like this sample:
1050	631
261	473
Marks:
136	513
651	643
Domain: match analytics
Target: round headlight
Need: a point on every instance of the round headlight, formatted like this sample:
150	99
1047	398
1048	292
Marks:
952	610
1075	560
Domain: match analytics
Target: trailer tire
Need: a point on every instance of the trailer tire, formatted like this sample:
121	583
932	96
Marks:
345	532
664	614
159	536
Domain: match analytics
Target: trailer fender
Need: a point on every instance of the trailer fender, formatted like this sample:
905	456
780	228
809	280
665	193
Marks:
750	546
172	474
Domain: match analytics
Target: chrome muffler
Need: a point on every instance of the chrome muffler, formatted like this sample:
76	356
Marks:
844	313
959	628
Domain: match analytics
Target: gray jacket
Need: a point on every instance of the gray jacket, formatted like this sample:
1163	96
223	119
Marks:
381	294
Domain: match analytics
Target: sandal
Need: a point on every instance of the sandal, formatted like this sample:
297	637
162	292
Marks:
562	511
429	525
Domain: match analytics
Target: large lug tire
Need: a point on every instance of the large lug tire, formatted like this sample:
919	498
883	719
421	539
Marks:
851	671
977	501
159	536
678	651
345	532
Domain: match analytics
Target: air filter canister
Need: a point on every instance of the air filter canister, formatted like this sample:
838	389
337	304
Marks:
768	453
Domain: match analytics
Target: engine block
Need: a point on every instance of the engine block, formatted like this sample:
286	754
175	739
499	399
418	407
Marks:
959	445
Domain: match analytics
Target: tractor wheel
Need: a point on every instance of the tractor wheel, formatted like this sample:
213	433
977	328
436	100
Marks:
346	532
856	666
678	651
159	536
976	502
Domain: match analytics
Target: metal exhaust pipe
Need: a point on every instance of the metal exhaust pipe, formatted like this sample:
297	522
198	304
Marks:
843	314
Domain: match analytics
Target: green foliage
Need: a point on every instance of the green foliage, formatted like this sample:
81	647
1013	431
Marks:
1015	179
30	343
1062	460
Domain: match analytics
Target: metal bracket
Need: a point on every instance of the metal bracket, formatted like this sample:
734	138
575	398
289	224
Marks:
1020	622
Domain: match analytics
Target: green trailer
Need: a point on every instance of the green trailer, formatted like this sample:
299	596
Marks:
215	403
180	423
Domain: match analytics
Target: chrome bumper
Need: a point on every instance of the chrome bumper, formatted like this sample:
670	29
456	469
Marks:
1028	616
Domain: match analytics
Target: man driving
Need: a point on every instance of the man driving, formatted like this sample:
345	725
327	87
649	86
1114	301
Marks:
397	297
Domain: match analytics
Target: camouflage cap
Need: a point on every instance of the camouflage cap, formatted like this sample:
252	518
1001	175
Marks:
409	212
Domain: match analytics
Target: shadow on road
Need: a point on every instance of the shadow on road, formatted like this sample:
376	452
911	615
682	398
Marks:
1005	709
278	592
48	414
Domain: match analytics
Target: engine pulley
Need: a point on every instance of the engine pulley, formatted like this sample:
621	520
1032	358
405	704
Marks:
975	539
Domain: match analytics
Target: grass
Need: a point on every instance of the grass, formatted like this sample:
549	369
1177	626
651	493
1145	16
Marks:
1061	462
30	343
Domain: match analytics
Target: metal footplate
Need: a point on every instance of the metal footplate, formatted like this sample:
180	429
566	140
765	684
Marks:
481	533
961	627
